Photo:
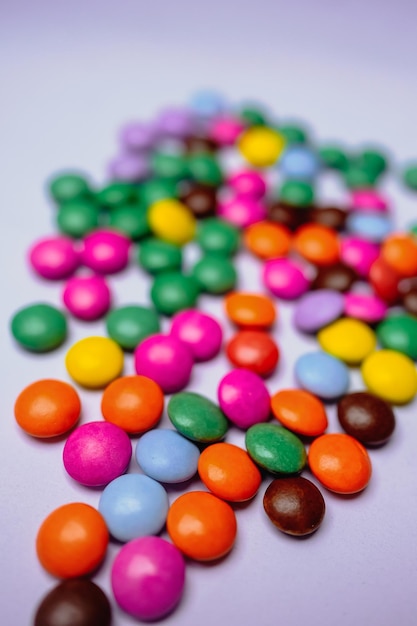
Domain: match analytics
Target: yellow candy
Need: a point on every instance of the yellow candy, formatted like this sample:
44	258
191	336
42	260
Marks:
94	362
390	375
172	221
348	339
261	146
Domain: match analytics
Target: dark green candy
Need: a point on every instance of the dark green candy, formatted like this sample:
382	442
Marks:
372	161
253	116
172	292
205	169
156	256
297	193
129	325
275	449
68	186
131	220
357	177
39	327
334	157
197	417
410	176
77	217
157	189
293	133
399	332
215	274
217	236
116	194
171	166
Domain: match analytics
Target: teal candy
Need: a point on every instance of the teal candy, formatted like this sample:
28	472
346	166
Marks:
131	220
172	292
205	169
68	186
129	325
275	449
215	274
156	256
217	236
399	332
196	417
78	217
39	327
116	194
157	189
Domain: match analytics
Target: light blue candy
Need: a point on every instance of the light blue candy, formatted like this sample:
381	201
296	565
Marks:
322	374
167	456
300	163
207	103
134	506
370	225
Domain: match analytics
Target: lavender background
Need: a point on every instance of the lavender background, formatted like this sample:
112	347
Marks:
71	73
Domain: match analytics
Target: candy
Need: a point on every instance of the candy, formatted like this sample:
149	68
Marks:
137	136
87	297
244	398
201	200
299	162
197	417
242	211
358	254
268	240
204	169
96	453
334	156
275	449
339	277
147	578
294	505
76	218
370	226
47	408
171	221
174	122
348	339
166	360
116	194
399	251
390	375
54	258
366	307
167	456
399	332
39	327
410	176
248	183
200	332
129	325
202	526
129	167
317	309
131	220
368	200
366	417
287	214
285	278
299	411
317	244
225	130
329	216
297	193
215	274
133	506
72	541
68	186
157	256
409	301
157	189
322	374
169	166
254	350
261	146
172	291
216	236
105	251
94	362
384	281
198	142
293	133
250	310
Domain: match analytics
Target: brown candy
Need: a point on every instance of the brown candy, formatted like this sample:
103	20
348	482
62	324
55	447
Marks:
367	418
332	217
201	200
410	301
290	216
198	143
76	602
295	505
339	277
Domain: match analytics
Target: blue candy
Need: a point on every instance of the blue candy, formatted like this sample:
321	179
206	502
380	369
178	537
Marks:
207	103
300	163
134	506
322	374
167	456
370	225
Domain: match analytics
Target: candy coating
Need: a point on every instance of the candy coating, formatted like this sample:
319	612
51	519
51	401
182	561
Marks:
167	456
244	398
166	360
39	327
94	362
196	417
275	449
390	375
322	374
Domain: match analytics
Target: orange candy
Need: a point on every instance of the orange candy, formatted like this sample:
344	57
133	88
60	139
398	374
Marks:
299	411
229	472
72	541
253	350
340	463
318	244
202	526
47	408
250	310
135	403
400	252
268	240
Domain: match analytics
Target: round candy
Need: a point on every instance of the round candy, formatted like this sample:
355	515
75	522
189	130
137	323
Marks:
225	130
131	220
72	541
366	307
172	291
384	281
170	166
358	254
78	602
357	176
373	160
197	417
199	142
134	403
201	200
39	327
288	215
338	277
229	472
250	310
331	217
218	237
348	339
205	169
261	146
409	301
299	162
171	221
317	309
366	417
47	408
54	257
254	350
207	103
299	411
293	133
268	240
399	250
96	453
94	362
318	244
157	256
410	176
138	136
391	376
215	274
285	278
133	506
248	183
371	226
68	186
76	218
202	526
294	505
399	332
166	360
242	211
322	374
334	157
244	398
202	333
116	194
340	463
155	189
275	449
167	456
147	578
129	167
253	115
87	297
129	325
368	200
105	251
174	122
297	193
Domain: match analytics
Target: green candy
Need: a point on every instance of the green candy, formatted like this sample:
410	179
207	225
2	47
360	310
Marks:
157	189
197	417
215	274
357	177
116	194
252	116
217	236
129	325
334	157
172	292
77	217
130	219
413	230
39	327
275	448
297	193
205	169
68	186
410	176
399	332
171	166
156	256
293	133
372	161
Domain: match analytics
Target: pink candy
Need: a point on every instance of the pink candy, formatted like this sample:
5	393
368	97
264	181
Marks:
242	211
368	200
244	398
248	183
105	251
225	130
166	360
54	257
359	254
87	297
285	278
200	332
366	307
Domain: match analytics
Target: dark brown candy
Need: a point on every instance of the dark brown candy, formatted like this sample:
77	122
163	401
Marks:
367	418
290	216
339	277
332	217
410	301
294	505
76	602
201	200
199	143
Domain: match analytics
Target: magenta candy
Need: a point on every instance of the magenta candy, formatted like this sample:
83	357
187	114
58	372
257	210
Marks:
105	251
166	360
148	577
87	297
96	453
359	254
368	200
200	332
129	167
242	211
244	398
248	183
225	130
365	307
285	278
54	257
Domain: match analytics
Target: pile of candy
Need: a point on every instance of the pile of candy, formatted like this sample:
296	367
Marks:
345	265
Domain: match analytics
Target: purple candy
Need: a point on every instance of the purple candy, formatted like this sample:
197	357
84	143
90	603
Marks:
129	167
244	398
166	360
200	332
317	309
174	122
138	136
